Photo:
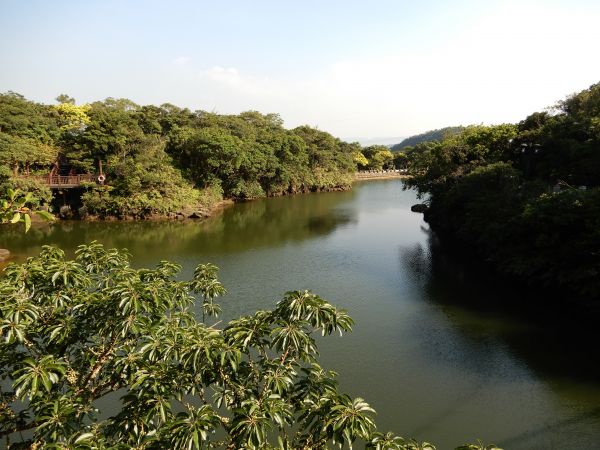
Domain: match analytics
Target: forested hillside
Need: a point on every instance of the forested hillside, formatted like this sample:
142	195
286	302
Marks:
526	197
162	159
428	136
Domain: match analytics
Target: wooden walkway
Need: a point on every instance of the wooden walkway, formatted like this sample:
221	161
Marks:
63	182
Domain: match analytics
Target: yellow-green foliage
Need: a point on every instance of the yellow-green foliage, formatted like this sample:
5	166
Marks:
379	157
360	160
72	117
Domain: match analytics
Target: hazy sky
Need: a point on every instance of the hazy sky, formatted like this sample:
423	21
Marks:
353	68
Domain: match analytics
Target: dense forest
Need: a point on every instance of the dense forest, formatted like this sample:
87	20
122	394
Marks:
525	196
161	159
428	136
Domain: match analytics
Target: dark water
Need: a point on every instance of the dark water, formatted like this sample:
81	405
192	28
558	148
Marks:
433	369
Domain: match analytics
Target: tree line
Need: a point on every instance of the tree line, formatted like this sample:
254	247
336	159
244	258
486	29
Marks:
524	196
161	159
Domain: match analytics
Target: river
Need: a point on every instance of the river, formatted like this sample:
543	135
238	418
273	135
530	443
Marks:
432	361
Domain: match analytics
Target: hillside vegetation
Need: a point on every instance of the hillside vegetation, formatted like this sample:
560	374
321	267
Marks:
162	159
526	197
428	136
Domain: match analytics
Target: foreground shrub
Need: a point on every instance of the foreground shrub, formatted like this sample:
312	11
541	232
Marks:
76	331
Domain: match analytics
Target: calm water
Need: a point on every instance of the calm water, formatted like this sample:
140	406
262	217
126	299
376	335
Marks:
432	369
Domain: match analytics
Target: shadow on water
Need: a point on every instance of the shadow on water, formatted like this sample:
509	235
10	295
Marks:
514	341
559	426
247	226
449	410
547	338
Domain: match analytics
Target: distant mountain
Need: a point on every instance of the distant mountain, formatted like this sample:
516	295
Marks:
428	136
365	142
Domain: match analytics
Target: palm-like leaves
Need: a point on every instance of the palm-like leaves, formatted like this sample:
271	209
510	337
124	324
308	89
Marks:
249	331
205	282
306	306
389	441
478	446
17	313
37	375
191	429
292	337
250	424
57	420
349	420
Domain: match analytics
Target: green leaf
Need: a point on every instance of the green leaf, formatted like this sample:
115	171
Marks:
84	437
45	215
27	222
16	217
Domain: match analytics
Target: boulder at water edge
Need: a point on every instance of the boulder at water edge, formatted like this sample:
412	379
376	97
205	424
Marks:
419	208
4	254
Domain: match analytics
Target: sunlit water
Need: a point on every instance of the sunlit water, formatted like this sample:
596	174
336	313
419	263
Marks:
434	370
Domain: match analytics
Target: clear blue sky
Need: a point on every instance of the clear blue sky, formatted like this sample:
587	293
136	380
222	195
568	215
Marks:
354	68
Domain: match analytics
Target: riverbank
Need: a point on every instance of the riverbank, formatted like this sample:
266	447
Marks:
189	213
208	210
202	211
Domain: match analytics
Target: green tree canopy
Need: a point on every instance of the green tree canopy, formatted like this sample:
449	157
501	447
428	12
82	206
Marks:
525	196
380	157
22	118
18	152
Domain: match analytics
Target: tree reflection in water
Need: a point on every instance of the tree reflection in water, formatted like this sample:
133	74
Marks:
241	227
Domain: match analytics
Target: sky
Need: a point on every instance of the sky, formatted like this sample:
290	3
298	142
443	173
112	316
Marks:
357	69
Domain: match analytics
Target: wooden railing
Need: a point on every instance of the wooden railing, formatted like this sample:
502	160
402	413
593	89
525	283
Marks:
60	181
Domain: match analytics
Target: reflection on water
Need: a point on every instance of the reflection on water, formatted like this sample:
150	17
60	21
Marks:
429	351
471	294
252	225
556	355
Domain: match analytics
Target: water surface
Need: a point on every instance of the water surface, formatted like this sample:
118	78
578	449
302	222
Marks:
434	368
